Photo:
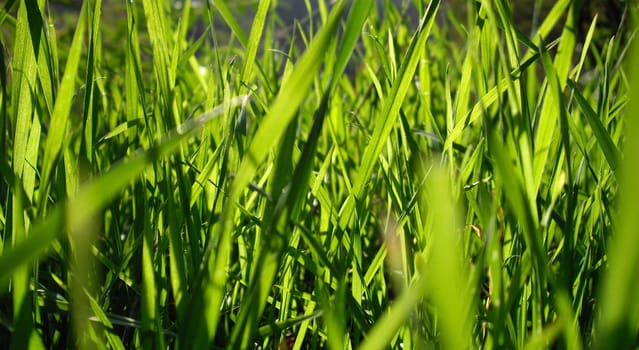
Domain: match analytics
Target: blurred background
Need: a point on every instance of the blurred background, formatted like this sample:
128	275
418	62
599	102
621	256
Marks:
528	13
293	14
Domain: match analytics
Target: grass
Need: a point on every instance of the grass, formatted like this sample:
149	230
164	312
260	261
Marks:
366	182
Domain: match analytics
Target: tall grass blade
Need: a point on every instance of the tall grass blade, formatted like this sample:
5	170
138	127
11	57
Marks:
62	106
618	324
390	111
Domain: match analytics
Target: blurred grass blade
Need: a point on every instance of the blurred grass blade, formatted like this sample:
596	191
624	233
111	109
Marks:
94	196
442	276
618	323
227	15
446	268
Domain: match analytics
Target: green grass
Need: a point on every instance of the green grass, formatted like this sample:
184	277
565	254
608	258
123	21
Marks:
170	179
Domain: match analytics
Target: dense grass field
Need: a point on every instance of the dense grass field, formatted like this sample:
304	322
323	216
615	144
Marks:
172	180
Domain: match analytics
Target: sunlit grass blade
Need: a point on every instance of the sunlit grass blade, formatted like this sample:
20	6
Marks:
446	268
254	40
62	106
547	119
25	145
24	73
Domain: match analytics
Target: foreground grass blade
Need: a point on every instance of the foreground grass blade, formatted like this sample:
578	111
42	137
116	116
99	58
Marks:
446	268
618	325
94	196
442	276
25	145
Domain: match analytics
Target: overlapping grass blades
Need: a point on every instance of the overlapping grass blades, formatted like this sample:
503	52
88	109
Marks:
378	182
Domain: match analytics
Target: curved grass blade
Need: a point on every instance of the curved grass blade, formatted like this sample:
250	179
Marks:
290	203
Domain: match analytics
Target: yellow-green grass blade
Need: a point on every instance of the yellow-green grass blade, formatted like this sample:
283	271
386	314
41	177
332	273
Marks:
23	87
91	96
150	308
442	276
46	54
25	146
556	101
446	269
547	119
160	41
132	73
25	336
254	40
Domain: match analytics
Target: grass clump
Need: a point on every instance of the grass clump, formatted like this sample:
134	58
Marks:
366	182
